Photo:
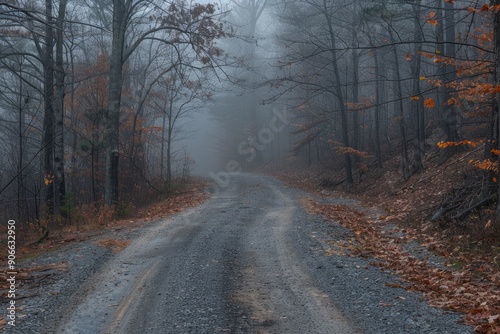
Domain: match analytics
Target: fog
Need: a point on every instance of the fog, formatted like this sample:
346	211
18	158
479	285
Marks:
212	90
201	146
228	128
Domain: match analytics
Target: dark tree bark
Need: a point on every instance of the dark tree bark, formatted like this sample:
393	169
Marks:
355	97
451	116
112	121
60	74
48	118
338	92
170	132
417	105
193	26
378	103
167	134
445	32
21	187
405	162
496	104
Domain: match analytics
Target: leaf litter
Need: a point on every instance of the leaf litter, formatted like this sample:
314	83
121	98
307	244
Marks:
465	279
460	290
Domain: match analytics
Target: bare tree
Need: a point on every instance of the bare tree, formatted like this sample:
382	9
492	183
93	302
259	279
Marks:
60	88
496	73
181	24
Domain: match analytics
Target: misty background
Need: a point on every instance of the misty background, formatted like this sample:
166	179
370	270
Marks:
107	103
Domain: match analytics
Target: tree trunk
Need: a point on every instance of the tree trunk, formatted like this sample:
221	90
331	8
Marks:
378	102
450	114
48	120
92	172
71	185
441	70
169	142
60	73
496	41
112	121
405	162
21	187
355	101
417	106
133	145
338	93
162	151
445	32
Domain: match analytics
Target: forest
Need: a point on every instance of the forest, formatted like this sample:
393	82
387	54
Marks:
97	96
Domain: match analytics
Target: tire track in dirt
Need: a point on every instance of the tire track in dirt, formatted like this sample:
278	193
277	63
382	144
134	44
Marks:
275	291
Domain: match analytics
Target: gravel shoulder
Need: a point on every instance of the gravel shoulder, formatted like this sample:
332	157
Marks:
250	260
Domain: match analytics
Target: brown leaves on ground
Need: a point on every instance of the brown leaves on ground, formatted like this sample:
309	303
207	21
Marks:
192	195
28	273
470	285
472	290
174	203
32	275
189	198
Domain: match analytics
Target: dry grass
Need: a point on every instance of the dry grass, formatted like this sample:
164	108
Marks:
89	221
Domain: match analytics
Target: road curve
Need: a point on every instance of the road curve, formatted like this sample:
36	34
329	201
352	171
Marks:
229	265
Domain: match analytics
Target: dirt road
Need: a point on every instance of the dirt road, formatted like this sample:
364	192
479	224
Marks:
206	269
250	260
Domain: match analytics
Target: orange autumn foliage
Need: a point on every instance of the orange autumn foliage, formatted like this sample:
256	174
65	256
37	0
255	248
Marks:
446	144
473	89
340	149
91	93
429	103
488	165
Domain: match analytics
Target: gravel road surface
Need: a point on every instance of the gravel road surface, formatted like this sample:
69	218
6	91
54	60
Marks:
249	260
